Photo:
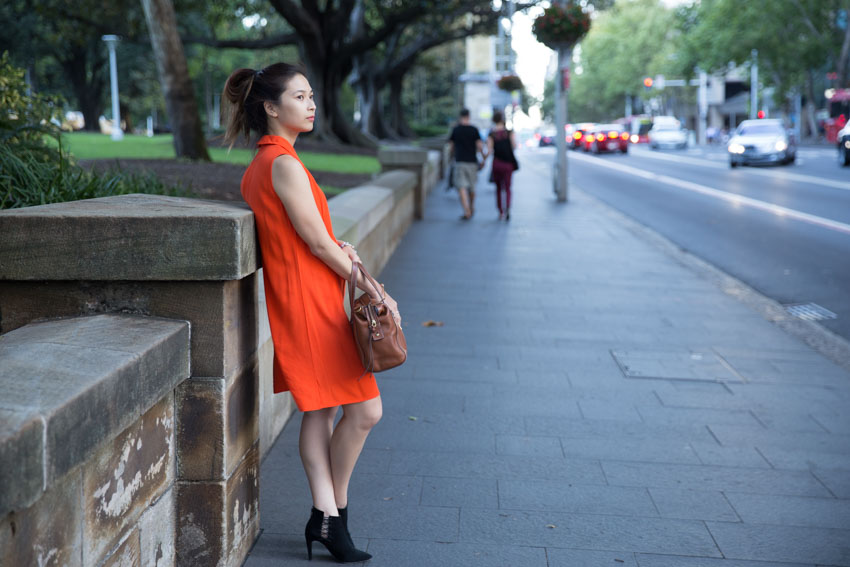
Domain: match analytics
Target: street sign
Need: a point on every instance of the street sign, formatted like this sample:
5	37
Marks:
659	82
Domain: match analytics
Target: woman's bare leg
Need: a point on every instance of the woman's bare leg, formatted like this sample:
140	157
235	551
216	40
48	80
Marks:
347	442
314	445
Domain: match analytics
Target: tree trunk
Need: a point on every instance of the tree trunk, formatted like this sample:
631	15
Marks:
177	88
398	122
88	85
810	106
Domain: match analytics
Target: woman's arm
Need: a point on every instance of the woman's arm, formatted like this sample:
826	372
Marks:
292	186
513	140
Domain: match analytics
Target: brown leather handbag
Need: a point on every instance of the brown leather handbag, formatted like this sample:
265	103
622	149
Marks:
379	339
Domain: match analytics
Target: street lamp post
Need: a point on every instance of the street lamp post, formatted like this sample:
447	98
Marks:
754	85
117	133
562	83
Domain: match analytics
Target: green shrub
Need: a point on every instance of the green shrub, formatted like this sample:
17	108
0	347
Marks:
35	170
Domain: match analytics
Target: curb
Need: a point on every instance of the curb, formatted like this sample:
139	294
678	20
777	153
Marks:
821	339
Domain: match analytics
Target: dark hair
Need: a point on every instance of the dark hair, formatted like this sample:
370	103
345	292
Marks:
498	118
464	113
246	90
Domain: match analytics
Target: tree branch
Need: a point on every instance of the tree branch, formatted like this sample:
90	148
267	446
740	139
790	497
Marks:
297	17
264	43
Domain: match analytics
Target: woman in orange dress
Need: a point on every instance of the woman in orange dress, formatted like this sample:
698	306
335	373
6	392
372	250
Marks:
304	271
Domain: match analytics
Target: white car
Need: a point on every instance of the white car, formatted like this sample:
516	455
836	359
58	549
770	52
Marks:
667	132
761	141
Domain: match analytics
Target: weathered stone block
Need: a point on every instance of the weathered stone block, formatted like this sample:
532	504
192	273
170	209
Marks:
128	237
128	553
49	533
157	532
125	476
218	422
242	509
217	522
200	523
401	156
223	315
21	459
86	394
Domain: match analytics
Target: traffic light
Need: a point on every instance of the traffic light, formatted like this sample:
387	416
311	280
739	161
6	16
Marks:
647	83
760	114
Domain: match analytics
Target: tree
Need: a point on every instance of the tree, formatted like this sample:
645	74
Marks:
625	43
387	67
60	45
174	76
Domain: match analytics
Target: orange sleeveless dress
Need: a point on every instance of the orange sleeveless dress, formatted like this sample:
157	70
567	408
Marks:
315	357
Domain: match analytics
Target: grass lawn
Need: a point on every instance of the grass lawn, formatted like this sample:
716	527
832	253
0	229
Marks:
90	145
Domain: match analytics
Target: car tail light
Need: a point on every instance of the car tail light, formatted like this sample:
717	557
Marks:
600	137
624	136
613	135
577	135
537	135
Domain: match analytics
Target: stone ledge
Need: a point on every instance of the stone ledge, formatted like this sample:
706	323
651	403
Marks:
128	237
356	212
68	385
402	156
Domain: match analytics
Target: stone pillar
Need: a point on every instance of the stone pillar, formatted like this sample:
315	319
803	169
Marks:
168	257
411	159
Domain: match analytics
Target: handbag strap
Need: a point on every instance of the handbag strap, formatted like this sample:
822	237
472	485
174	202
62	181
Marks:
352	281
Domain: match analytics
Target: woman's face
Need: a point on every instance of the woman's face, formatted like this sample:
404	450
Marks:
295	109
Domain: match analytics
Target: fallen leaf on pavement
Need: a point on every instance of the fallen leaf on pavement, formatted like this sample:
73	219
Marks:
551	526
412	417
430	323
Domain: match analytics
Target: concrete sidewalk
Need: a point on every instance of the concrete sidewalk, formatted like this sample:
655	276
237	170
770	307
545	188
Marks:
590	400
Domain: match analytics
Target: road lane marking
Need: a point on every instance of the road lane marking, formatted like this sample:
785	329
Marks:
774	174
738	200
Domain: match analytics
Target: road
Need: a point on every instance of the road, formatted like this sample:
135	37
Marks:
783	230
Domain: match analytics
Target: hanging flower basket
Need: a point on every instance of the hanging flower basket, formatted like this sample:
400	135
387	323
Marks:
510	83
561	26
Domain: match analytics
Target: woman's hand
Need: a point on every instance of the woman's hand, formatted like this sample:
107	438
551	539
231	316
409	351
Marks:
393	307
350	251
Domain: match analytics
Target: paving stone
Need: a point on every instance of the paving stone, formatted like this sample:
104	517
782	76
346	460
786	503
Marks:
689	416
648	560
801	459
693	505
801	440
599	409
644	450
460	492
782	543
561	497
704	477
407	553
837	481
586	531
586	558
710	453
791	510
491	466
528	446
386	488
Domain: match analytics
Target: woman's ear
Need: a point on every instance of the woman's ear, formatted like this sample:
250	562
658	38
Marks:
270	109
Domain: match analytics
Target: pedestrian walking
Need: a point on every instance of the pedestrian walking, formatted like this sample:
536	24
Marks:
466	144
501	142
304	271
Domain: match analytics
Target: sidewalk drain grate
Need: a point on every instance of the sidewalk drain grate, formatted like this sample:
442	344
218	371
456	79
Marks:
810	311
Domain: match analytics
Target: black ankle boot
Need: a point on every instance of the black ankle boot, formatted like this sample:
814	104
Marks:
331	532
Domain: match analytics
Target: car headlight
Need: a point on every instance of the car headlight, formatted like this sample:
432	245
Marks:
736	149
781	145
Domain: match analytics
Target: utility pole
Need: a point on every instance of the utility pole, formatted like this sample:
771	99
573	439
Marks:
562	83
754	85
117	132
702	101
